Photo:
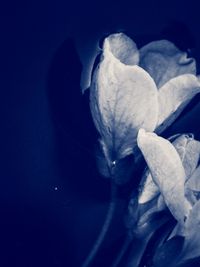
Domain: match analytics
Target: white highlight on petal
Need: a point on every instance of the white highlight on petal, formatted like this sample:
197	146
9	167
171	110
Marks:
167	172
123	98
173	98
189	152
164	61
149	189
123	48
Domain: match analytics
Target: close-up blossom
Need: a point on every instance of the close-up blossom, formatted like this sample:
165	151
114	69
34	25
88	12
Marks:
174	170
100	134
189	151
135	94
135	88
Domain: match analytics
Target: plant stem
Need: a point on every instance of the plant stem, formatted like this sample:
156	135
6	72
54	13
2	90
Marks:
105	227
123	250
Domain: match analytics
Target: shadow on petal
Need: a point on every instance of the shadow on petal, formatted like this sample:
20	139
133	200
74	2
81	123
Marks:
123	98
173	98
164	61
167	172
192	234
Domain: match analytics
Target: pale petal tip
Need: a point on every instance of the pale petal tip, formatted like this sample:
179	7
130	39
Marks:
141	135
122	48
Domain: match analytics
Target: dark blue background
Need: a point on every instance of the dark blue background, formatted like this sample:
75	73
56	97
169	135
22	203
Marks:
52	199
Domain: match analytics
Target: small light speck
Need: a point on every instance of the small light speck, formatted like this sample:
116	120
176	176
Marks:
55	188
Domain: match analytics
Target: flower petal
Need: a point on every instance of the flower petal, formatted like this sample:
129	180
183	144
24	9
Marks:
192	187
161	203
194	181
167	171
149	189
123	48
164	61
123	98
88	64
173	98
188	150
192	233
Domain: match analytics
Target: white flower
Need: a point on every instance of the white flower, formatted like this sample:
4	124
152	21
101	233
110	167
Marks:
189	151
174	172
133	89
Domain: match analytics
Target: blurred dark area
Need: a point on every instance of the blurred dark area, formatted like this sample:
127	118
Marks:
53	201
